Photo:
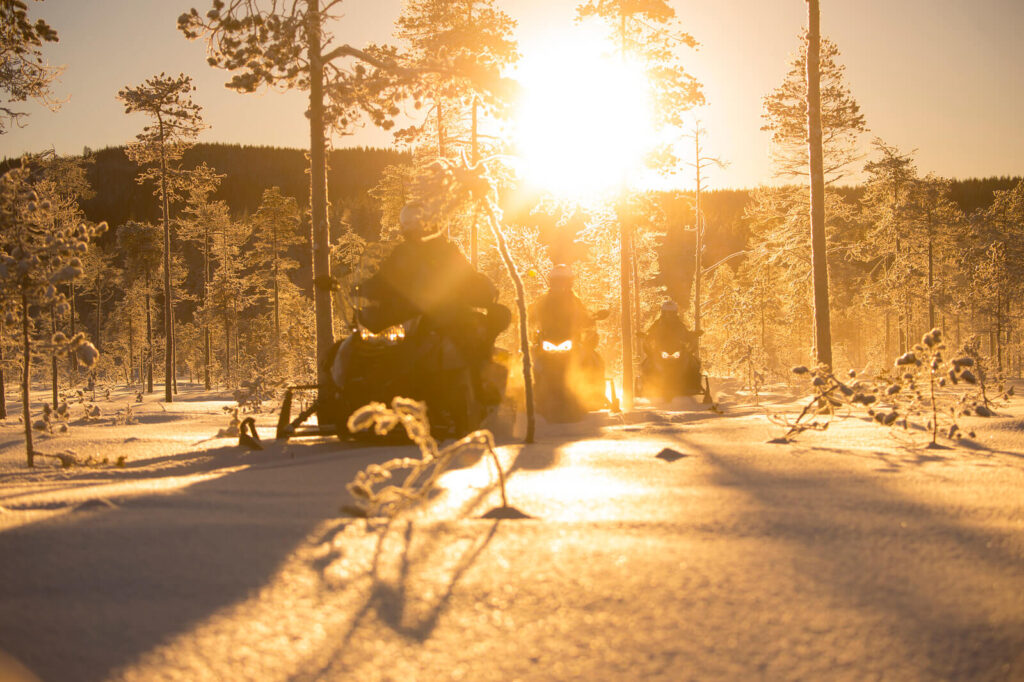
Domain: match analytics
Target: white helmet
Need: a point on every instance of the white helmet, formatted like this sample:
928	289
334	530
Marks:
561	275
410	220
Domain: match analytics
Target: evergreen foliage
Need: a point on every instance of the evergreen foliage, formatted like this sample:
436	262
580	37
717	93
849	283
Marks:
37	256
24	73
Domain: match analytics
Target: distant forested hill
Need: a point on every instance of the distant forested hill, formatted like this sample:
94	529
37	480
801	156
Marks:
248	171
728	231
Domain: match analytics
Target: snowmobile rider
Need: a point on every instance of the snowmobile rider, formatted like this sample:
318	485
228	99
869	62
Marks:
426	274
559	314
669	333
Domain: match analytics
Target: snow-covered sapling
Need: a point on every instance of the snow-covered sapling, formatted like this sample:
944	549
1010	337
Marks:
923	385
231	430
376	490
37	255
448	183
827	394
125	416
906	393
52	420
972	357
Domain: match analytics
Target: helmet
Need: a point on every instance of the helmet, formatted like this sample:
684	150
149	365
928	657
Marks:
411	219
413	222
669	306
561	276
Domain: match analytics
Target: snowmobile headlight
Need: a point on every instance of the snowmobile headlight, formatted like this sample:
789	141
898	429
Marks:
388	337
563	347
666	356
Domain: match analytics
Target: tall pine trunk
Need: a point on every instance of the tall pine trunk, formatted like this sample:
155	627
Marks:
26	380
206	293
3	384
72	357
99	317
168	303
931	274
698	269
53	357
320	233
819	264
149	338
277	308
227	353
625	261
131	351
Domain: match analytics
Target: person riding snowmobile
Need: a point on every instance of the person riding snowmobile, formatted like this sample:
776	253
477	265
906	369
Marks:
426	274
570	371
560	314
670	365
669	333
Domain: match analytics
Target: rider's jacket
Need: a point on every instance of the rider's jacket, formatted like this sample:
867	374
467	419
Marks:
668	333
559	315
431	278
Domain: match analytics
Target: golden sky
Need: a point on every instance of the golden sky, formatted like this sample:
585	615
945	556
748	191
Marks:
940	76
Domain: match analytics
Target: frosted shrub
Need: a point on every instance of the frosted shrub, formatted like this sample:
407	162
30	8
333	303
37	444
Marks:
921	387
387	489
38	254
52	420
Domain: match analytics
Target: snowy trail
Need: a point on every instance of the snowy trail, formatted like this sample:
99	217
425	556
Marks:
840	557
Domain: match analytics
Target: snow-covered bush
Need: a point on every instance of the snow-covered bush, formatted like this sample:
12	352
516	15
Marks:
37	256
386	489
921	387
52	420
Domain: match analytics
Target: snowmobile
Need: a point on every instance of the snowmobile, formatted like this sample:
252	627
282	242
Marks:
375	363
667	373
414	360
570	378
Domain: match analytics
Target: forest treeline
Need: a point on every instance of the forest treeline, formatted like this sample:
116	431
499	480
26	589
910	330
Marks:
361	180
247	171
225	263
353	172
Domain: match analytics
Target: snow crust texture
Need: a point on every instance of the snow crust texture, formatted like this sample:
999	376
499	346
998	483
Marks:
848	555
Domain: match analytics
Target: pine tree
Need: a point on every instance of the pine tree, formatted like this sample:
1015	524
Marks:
36	256
910	242
101	281
815	125
785	116
995	257
197	225
699	163
461	48
62	181
140	243
939	218
275	226
25	74
289	45
230	288
175	124
887	202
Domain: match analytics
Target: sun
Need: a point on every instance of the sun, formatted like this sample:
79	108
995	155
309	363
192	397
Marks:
584	123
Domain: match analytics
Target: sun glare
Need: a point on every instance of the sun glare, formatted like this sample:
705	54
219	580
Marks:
583	125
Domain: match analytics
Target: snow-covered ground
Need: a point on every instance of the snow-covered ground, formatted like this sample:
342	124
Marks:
851	554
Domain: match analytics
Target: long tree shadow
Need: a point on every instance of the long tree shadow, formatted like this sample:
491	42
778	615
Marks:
91	591
874	549
413	613
191	462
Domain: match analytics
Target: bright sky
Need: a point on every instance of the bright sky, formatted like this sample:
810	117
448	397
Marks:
942	76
